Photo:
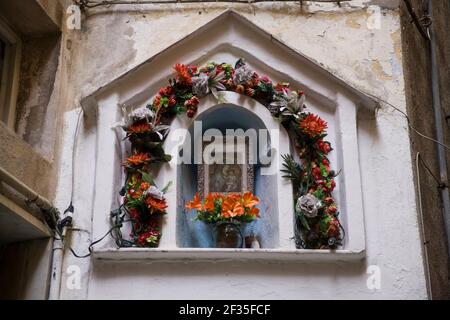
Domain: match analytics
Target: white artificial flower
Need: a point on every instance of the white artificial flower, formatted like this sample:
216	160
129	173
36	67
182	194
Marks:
154	192
141	113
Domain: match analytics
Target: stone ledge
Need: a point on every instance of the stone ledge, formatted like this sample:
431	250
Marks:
216	255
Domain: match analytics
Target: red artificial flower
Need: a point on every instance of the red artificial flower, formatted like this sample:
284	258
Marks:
149	238
157	101
332	186
332	209
313	125
183	74
192	102
134	194
193	69
165	91
172	101
333	229
317	173
282	87
191	113
265	79
134	213
324	147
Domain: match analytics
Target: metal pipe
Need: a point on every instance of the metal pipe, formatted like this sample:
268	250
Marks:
22	188
439	129
56	272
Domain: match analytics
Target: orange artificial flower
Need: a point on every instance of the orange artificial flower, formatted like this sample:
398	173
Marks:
195	204
156	205
145	186
249	200
210	202
254	212
137	160
139	127
232	208
134	194
313	125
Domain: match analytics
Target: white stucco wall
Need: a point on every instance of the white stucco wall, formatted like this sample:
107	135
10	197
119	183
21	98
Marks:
338	39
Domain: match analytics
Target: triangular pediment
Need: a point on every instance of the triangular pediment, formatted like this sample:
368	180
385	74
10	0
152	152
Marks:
226	38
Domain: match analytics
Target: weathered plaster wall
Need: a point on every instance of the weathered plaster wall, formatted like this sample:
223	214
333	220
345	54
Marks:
113	41
416	51
35	116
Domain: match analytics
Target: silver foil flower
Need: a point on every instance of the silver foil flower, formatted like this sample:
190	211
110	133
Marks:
309	205
200	85
289	104
154	192
141	113
242	75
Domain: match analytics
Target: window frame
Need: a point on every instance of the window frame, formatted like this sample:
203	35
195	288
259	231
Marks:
9	78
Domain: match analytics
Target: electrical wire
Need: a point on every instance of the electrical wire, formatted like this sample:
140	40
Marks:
70	208
379	100
422	225
90	248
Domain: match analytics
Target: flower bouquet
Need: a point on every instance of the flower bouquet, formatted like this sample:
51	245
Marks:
226	212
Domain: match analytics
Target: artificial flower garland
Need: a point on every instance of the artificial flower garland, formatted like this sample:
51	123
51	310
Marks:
317	222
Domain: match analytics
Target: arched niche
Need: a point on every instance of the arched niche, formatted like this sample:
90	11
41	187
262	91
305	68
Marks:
250	117
275	228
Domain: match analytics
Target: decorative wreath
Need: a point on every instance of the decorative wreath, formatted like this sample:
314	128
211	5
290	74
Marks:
317	223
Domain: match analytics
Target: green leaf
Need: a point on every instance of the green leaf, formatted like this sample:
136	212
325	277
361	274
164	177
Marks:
324	224
319	194
304	221
147	177
292	169
166	188
323	170
167	157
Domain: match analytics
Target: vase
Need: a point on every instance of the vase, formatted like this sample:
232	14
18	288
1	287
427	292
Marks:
228	235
